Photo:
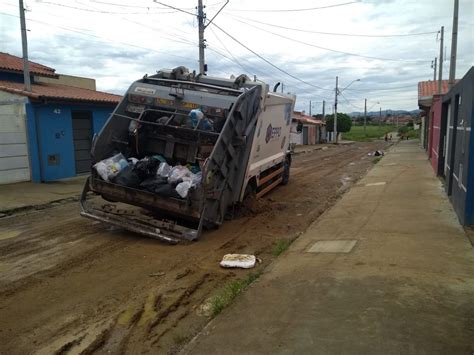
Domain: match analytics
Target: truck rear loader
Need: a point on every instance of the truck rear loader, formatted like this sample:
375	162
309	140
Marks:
239	143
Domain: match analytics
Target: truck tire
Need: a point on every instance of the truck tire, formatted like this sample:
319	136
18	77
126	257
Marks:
286	173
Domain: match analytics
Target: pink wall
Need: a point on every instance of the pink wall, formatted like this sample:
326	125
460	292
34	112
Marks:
435	125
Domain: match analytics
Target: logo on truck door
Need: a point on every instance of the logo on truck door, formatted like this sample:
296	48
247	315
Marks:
272	132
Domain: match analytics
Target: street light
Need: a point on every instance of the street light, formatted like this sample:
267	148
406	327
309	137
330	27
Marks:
335	105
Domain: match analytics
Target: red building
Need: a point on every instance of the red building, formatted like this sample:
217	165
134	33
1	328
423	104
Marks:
430	102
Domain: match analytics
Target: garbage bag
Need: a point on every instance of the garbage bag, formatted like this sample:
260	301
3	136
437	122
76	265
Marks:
147	167
160	158
196	119
110	167
178	172
196	179
133	161
183	188
152	183
164	169
160	186
127	177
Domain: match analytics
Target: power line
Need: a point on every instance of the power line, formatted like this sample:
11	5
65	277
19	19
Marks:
138	6
102	39
337	34
270	63
356	107
295	10
175	8
48	3
413	86
233	57
330	49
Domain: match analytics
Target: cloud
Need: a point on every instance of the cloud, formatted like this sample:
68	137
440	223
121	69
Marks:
116	46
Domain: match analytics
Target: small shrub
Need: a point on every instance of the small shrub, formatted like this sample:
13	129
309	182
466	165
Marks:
280	246
227	294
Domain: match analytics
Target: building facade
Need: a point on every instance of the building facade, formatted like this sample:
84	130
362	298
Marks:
46	133
456	163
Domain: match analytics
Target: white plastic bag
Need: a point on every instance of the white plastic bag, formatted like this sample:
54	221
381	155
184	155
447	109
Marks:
244	261
183	188
110	167
164	170
178	172
196	179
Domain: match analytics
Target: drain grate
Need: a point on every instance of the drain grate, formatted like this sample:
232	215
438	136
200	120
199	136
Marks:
332	246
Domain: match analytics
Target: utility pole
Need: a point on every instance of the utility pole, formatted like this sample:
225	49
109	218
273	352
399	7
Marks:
202	45
24	44
440	76
310	107
380	117
335	113
365	117
434	65
454	45
324	110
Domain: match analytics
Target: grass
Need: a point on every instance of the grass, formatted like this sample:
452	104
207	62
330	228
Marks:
226	295
373	132
376	160
280	246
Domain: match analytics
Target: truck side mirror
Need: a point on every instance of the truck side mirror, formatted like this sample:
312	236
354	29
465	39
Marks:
299	127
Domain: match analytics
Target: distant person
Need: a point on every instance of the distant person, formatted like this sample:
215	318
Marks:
386	137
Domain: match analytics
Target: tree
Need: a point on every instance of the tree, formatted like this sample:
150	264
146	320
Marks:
344	123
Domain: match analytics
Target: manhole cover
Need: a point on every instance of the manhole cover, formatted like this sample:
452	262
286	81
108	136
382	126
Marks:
332	246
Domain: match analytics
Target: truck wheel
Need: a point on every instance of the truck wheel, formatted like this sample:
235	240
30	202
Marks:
286	173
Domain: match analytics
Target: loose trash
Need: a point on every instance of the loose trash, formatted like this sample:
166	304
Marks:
377	153
157	274
244	261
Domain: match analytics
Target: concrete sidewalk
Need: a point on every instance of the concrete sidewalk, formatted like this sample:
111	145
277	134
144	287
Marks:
24	195
405	287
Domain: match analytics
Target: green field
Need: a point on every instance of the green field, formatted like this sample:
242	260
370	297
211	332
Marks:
373	132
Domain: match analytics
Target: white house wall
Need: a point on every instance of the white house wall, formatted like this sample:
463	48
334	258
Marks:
14	161
295	137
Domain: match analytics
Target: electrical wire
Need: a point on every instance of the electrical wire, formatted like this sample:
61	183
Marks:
102	39
267	61
413	86
356	107
48	3
175	8
297	10
233	57
334	33
333	50
138	6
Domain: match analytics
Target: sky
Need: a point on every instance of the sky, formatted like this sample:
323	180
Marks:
388	44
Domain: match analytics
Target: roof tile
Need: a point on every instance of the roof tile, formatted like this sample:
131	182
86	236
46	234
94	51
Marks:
430	88
14	63
60	92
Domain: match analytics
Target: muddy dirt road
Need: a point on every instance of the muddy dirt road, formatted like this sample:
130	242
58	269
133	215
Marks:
71	285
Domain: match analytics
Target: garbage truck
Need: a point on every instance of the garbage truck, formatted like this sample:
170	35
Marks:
181	151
